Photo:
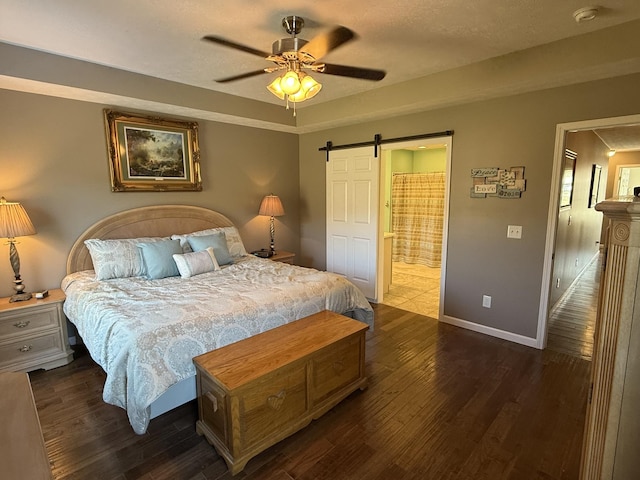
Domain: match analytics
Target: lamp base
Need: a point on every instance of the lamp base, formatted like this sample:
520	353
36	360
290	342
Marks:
19	297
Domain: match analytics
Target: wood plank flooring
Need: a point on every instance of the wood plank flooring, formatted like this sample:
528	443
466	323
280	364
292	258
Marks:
442	403
572	320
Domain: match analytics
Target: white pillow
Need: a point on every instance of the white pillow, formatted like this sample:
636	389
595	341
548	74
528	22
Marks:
195	263
118	258
234	241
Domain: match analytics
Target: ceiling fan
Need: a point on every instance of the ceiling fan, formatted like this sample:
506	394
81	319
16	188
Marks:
294	55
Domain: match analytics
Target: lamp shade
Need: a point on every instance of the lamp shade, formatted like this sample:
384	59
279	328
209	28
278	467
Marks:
271	206
14	221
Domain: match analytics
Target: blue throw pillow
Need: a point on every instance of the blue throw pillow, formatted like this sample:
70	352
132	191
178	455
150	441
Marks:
157	258
217	241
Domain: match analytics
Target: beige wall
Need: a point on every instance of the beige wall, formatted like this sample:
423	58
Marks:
53	159
579	227
505	132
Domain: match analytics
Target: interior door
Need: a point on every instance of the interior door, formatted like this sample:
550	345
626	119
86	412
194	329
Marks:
353	178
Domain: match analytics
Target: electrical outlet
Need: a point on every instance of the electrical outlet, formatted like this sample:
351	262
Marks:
514	231
486	301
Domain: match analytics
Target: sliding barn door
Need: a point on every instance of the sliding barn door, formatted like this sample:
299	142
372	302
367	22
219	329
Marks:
353	177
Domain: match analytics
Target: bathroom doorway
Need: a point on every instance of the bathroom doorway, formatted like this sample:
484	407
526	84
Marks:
415	190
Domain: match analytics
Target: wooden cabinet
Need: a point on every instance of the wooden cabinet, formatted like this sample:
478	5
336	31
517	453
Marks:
254	393
33	334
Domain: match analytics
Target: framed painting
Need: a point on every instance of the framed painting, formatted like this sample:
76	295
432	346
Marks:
568	173
596	173
148	153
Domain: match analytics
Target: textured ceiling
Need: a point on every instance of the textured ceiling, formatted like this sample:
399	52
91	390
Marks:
407	38
620	139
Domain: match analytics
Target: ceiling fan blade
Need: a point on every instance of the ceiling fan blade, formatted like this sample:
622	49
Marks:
346	71
227	43
243	75
322	44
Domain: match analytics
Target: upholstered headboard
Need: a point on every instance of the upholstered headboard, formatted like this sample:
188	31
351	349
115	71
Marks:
154	221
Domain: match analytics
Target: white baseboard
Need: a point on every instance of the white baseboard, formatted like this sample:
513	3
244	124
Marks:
493	332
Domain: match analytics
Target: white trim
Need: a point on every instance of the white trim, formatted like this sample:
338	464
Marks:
493	332
561	131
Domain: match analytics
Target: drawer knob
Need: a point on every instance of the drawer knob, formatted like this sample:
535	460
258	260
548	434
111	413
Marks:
22	324
275	401
214	401
25	348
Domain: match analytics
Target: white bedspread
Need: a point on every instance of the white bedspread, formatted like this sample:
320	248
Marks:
144	333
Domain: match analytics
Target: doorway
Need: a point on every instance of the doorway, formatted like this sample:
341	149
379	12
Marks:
617	124
414	258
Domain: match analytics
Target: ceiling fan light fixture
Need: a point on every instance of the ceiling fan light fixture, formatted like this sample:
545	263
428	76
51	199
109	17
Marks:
290	82
310	86
275	88
294	54
307	86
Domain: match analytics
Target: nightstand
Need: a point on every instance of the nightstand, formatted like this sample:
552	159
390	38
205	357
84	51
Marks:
283	257
33	334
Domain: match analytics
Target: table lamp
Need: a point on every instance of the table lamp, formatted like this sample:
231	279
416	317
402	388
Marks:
14	222
271	206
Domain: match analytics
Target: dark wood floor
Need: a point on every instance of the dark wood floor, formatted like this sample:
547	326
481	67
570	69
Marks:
572	320
442	403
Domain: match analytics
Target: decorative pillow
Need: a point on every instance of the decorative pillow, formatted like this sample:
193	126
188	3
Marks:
217	241
157	258
117	258
195	263
234	242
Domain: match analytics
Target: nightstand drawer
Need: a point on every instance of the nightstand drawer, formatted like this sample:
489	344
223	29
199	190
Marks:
26	321
21	351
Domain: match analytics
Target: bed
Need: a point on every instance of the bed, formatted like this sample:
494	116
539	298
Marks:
144	331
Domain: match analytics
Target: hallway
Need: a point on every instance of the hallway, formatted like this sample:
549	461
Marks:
572	320
414	288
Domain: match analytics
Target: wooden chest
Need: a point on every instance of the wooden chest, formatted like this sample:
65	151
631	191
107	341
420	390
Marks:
254	393
22	451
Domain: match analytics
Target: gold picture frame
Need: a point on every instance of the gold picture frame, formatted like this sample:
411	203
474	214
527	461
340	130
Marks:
148	153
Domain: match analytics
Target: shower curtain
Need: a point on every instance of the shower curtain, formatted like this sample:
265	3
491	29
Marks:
417	216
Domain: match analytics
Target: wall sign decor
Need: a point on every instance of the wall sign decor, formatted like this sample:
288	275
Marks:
498	182
149	153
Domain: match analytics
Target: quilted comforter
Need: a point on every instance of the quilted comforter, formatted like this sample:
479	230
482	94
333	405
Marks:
145	333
